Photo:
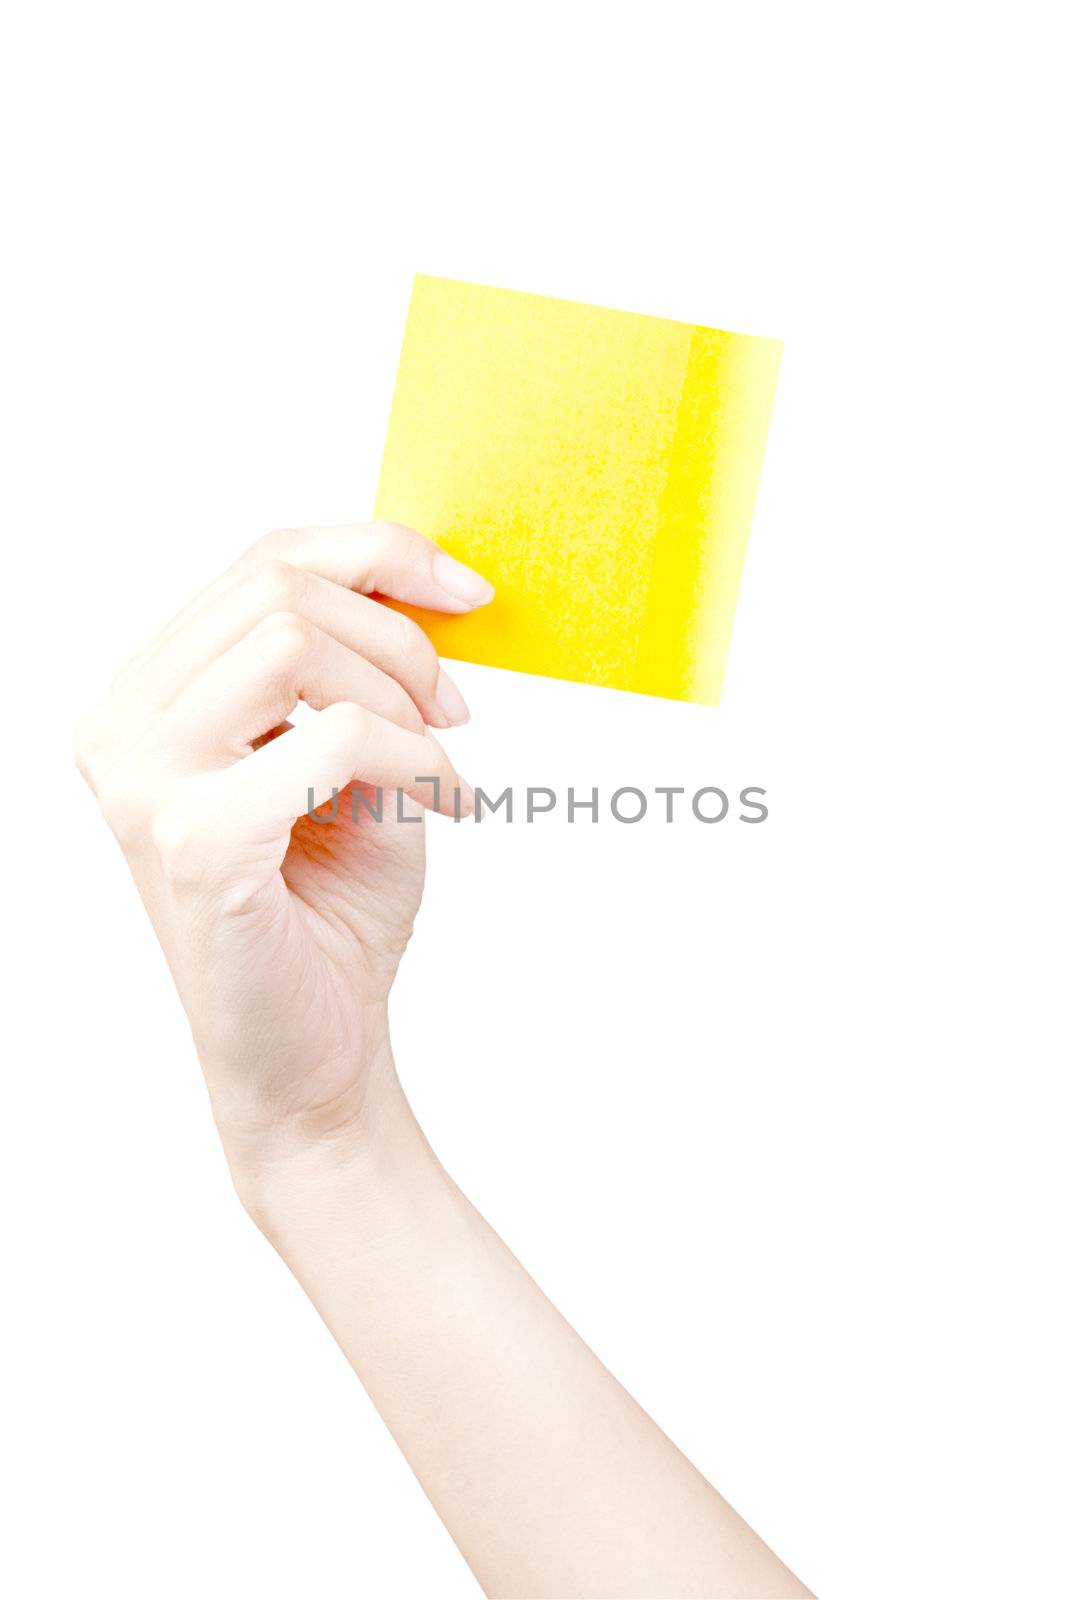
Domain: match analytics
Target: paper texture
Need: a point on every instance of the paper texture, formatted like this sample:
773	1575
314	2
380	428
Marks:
598	467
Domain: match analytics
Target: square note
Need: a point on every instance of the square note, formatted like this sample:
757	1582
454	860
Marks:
598	467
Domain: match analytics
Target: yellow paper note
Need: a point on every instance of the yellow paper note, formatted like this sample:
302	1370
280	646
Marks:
598	467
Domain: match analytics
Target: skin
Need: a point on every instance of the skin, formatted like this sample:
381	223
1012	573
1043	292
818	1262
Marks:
284	936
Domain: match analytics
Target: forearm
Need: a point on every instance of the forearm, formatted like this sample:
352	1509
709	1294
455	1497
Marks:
548	1475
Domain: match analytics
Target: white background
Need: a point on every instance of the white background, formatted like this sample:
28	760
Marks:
774	1114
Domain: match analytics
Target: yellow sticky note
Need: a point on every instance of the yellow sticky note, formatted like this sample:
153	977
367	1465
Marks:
598	467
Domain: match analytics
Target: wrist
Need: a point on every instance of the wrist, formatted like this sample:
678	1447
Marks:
305	1165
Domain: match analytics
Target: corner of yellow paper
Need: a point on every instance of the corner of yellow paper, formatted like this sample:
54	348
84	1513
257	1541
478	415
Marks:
598	467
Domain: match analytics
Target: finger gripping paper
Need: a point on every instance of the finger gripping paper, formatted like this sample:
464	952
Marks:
598	467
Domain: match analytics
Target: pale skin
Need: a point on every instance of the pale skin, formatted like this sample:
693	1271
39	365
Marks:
284	936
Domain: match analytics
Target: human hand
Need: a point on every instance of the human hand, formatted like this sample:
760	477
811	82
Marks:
283	933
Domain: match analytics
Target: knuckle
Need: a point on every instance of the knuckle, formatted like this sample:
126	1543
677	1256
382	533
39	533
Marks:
397	533
93	744
416	656
352	721
405	713
277	586
87	743
409	548
181	841
286	635
276	543
389	542
375	545
123	804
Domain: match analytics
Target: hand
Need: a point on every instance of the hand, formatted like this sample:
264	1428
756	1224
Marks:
284	933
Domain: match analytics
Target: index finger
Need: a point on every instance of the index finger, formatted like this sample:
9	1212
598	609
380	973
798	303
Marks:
384	558
379	558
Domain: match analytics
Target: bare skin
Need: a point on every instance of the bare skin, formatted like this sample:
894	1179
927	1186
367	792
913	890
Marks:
284	936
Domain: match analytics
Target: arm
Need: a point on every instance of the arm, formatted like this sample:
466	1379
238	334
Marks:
550	1478
283	934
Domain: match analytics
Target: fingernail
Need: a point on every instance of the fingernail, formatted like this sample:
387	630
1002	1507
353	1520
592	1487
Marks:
450	702
461	582
466	798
